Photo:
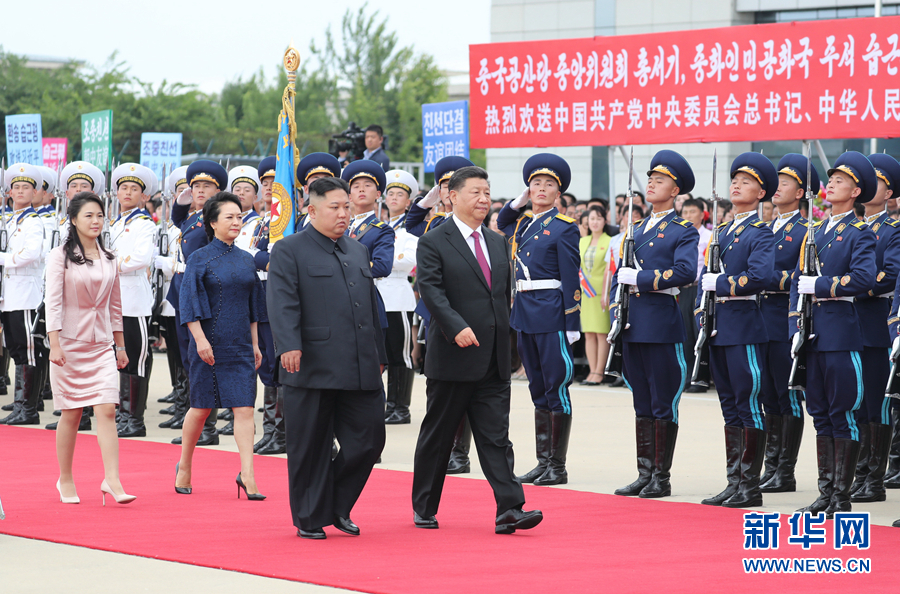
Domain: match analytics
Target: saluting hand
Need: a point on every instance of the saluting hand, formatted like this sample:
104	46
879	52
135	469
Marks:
204	349
291	361
466	338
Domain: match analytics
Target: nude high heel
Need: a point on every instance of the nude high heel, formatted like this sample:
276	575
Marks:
66	499
123	498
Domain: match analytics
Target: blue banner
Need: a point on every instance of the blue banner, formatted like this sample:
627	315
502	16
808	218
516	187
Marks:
24	139
284	207
445	131
161	148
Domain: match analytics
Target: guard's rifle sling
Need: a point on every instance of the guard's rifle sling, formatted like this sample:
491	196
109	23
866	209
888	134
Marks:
622	301
809	258
700	375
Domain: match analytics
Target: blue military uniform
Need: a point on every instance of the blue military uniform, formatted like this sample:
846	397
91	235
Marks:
834	390
784	411
739	340
443	171
547	306
653	361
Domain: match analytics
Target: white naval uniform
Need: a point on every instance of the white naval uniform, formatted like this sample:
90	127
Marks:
51	228
134	241
251	225
174	234
395	289
23	283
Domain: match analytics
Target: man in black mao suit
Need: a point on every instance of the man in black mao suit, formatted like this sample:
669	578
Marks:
328	338
464	280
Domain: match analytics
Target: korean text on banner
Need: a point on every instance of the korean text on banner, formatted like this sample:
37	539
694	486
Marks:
759	82
445	131
96	138
159	149
55	151
23	139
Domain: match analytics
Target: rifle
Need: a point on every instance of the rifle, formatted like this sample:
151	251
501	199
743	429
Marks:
809	259
700	375
159	278
4	237
104	235
623	292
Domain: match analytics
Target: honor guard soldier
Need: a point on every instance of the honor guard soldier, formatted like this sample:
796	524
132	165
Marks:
739	339
873	417
784	411
546	309
133	237
312	167
367	183
22	293
47	212
175	183
416	222
399	301
834	375
205	179
653	361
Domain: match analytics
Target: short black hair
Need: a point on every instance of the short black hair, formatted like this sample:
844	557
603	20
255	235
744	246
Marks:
323	185
377	129
694	202
459	177
213	207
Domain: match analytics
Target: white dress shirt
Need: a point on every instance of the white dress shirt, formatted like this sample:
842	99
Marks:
782	219
467	235
739	219
835	219
656	217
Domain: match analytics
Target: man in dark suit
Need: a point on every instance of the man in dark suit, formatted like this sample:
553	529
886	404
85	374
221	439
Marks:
328	338
374	147
464	280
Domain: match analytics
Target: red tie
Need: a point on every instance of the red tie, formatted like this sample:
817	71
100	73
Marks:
482	261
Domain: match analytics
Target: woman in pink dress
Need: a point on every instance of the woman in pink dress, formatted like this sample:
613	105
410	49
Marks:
84	327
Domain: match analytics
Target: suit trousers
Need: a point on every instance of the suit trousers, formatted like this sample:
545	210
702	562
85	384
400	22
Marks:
24	347
322	488
775	396
834	392
655	374
876	367
737	371
486	403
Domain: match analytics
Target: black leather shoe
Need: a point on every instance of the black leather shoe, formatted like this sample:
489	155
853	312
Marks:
896	524
227	429
169	410
7	407
456	466
314	534
398	417
263	441
56	413
346	525
428	522
517	519
696	390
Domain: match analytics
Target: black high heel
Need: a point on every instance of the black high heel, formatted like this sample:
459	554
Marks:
250	496
181	490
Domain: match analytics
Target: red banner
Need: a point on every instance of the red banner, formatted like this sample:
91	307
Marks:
789	81
55	152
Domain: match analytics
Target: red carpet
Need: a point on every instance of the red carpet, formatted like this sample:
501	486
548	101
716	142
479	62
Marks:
587	543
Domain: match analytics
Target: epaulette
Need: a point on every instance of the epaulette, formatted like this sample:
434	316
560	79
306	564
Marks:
758	224
682	222
378	224
725	224
818	224
145	217
529	215
803	222
32	215
892	222
859	224
638	222
563	217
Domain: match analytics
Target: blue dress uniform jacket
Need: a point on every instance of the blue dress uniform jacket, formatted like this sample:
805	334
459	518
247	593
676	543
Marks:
747	268
847	265
193	237
379	239
667	257
774	303
872	309
549	251
416	223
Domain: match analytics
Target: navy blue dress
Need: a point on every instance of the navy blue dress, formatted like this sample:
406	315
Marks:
222	291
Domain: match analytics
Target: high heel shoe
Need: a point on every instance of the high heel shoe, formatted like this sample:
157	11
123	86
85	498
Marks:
250	496
122	499
181	490
64	499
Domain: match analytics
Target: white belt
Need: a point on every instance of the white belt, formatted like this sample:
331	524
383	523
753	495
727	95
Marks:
262	274
848	299
674	291
885	296
138	272
24	271
736	298
536	285
775	293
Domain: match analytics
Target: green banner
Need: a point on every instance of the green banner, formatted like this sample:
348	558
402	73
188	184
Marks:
96	138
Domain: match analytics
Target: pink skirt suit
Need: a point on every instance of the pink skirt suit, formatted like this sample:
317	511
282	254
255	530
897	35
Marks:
83	303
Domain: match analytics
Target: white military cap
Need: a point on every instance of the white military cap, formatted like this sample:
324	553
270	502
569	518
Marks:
243	173
86	171
402	179
136	173
23	172
50	177
175	179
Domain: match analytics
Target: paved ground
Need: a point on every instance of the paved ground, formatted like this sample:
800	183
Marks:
601	459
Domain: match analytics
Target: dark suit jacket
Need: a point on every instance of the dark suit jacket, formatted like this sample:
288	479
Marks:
321	301
381	157
454	290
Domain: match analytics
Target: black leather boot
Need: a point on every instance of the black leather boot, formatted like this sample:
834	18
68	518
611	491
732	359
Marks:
734	443
666	434
4	372
783	480
83	425
277	444
32	386
644	434
754	451
825	464
209	435
846	453
892	475
402	399
393	388
459	455
181	403
18	397
270	395
560	430
138	390
774	443
873	489
226	414
168	398
542	428
123	415
862	465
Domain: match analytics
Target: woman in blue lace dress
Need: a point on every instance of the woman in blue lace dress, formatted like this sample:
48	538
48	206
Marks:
220	303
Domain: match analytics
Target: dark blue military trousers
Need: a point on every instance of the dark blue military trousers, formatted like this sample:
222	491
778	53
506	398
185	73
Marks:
834	392
655	374
876	368
737	371
547	358
775	396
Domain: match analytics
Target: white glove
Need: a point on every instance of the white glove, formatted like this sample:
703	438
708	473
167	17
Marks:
807	285
709	280
522	200
895	349
185	198
164	263
2	259
430	198
179	267
627	276
572	336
